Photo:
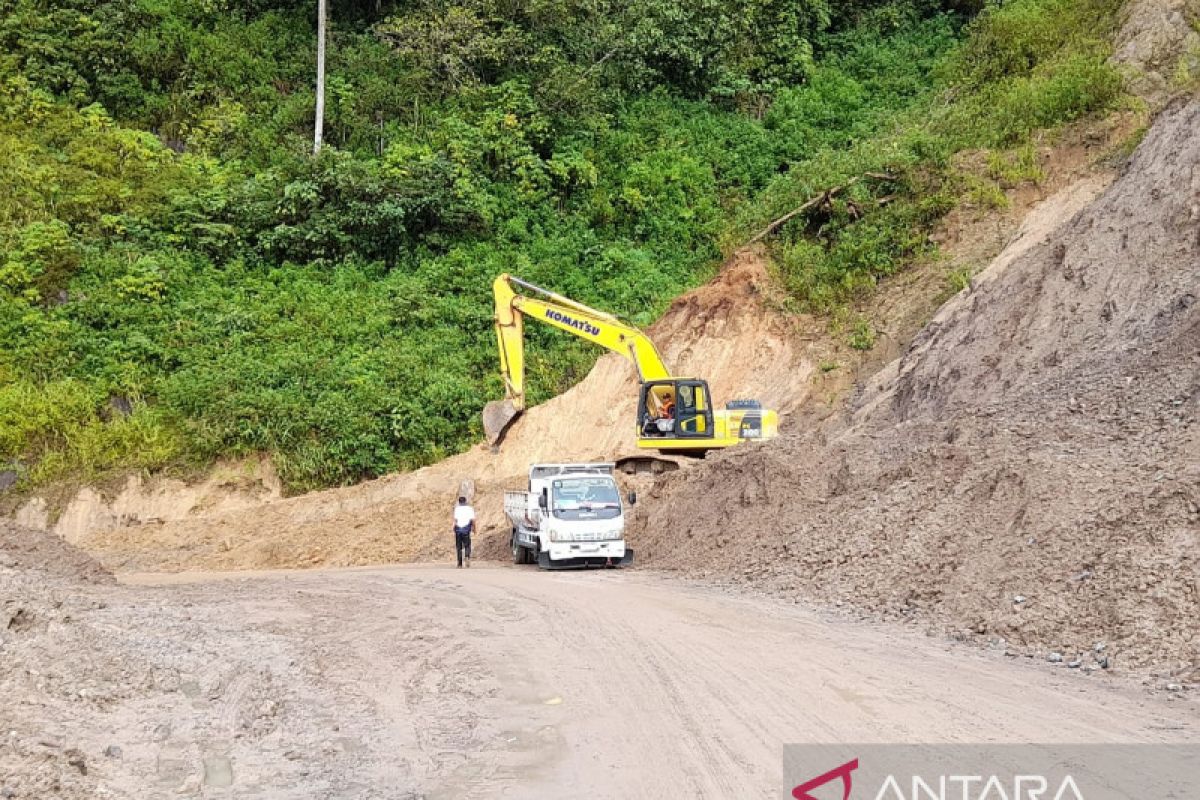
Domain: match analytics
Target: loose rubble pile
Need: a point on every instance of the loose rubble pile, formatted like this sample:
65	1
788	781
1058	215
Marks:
1026	474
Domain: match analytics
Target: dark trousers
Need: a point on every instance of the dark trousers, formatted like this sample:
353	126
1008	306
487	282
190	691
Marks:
462	542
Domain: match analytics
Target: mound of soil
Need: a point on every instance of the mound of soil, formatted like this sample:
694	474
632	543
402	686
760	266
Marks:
26	549
45	586
1027	471
118	691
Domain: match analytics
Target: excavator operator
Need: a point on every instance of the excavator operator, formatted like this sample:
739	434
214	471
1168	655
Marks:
660	420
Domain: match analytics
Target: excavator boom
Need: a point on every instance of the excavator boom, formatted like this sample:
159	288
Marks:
561	312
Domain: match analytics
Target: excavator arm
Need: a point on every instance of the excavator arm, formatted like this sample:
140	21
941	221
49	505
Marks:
561	312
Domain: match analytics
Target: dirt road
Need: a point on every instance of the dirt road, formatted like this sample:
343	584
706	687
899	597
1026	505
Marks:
427	682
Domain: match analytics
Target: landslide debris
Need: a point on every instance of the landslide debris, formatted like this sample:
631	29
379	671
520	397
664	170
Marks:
30	550
1026	473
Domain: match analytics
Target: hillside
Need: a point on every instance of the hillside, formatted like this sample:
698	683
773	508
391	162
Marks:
1025	474
184	283
731	331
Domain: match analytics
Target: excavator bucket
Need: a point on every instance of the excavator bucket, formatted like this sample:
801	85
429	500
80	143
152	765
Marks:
497	416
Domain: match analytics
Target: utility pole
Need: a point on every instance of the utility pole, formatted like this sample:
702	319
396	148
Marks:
320	76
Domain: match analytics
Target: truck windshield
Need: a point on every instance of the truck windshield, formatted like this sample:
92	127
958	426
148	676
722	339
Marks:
586	498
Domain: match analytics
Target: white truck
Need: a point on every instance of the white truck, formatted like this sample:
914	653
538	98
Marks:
570	516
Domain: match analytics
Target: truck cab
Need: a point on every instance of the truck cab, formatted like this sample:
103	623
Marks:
571	515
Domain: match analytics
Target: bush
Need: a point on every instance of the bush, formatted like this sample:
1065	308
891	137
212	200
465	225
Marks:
1023	66
1057	92
67	427
862	335
1011	40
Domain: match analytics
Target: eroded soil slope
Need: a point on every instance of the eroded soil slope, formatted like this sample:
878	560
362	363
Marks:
1028	470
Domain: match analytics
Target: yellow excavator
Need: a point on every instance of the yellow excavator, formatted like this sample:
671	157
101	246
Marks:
674	415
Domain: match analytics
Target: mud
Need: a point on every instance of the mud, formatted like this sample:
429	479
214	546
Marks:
1027	473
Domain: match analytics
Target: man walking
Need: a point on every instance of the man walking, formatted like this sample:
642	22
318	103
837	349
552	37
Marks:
464	525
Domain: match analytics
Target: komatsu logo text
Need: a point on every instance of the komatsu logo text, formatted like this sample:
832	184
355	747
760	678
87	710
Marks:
577	324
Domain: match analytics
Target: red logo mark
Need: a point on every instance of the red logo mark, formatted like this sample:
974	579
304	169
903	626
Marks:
801	792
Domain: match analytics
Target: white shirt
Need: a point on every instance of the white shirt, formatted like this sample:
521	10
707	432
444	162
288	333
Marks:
463	516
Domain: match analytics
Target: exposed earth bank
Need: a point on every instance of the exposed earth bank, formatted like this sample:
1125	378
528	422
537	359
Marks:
1027	473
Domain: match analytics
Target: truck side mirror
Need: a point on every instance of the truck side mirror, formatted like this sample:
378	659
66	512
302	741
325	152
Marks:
633	498
544	500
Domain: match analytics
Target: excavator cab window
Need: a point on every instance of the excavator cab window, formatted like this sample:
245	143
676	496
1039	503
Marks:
656	409
694	418
675	409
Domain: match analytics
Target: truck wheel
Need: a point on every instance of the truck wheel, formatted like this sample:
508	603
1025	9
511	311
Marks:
518	551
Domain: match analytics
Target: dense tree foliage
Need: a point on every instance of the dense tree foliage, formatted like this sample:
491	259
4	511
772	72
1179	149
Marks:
181	280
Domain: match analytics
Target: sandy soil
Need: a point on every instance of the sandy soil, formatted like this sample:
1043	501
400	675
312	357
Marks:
429	682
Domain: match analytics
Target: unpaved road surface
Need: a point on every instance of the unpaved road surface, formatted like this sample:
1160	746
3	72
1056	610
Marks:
429	682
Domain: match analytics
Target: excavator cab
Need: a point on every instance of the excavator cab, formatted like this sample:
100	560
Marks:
677	415
675	409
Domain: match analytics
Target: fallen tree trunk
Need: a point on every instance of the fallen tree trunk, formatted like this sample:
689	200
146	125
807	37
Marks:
823	197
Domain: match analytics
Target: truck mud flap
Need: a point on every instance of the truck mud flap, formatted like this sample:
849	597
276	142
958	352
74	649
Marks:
584	562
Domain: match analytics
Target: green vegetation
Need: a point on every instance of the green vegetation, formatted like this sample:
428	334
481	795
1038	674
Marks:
181	280
958	279
862	335
1021	66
